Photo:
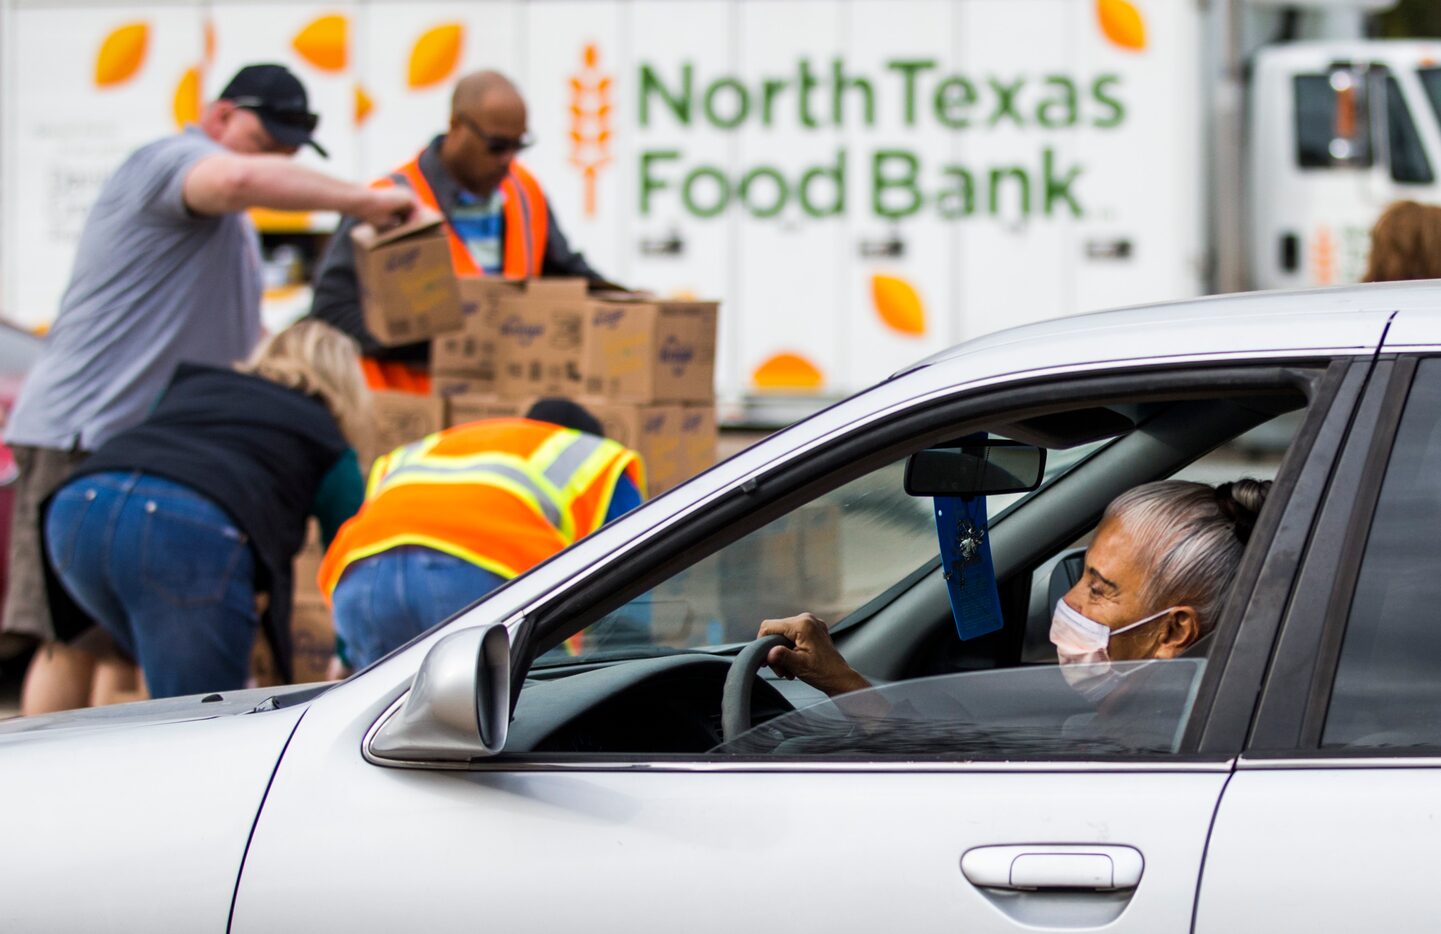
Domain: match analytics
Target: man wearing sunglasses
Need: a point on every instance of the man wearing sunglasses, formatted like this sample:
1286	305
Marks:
167	269
497	220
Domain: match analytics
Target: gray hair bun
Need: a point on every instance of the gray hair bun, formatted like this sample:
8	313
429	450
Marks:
1240	502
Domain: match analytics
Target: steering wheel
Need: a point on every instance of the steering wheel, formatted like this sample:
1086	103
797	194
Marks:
736	697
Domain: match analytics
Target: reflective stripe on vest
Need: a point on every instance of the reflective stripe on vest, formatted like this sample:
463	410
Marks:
498	470
527	221
553	475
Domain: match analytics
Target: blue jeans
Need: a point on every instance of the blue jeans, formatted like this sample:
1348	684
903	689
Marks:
165	571
384	601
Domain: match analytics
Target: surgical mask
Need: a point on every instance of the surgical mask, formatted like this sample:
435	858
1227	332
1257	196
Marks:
1082	646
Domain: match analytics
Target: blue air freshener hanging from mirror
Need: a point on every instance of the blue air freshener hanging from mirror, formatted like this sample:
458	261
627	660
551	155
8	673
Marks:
966	563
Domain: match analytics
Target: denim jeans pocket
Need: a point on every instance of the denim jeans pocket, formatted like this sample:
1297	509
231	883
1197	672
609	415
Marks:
189	550
63	523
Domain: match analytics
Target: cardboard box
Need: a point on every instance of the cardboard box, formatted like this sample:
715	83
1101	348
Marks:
652	431
644	351
555	340
472	407
448	386
400	418
472	352
698	438
539	335
408	291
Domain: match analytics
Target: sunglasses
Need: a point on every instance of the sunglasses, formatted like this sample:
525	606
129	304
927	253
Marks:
495	145
299	118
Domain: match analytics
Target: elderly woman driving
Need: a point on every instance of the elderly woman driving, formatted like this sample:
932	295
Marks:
1156	575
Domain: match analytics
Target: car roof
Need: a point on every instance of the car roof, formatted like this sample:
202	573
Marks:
1346	319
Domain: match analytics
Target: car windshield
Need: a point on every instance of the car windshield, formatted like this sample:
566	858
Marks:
831	556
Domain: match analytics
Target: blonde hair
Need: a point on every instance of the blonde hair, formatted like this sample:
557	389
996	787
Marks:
314	358
1405	243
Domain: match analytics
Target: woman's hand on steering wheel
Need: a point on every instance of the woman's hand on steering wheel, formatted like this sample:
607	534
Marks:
814	659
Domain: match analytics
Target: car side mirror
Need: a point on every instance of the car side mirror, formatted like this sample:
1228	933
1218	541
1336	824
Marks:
975	468
458	707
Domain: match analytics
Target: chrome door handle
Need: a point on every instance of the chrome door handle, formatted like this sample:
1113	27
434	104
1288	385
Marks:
1039	866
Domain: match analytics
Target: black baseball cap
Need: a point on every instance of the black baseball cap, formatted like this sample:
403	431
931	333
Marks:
278	98
566	414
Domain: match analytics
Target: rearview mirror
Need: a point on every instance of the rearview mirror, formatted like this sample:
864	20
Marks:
458	707
975	468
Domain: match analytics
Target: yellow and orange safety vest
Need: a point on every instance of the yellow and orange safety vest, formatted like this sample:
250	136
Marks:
503	494
527	226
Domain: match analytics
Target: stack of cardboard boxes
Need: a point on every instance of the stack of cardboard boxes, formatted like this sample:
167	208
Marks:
644	368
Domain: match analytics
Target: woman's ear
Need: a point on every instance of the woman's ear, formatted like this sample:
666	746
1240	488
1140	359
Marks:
1181	630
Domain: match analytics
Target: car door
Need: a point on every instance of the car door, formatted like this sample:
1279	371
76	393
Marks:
1006	835
1330	823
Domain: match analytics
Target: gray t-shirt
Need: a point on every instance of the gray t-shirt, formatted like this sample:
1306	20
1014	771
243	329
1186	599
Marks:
153	285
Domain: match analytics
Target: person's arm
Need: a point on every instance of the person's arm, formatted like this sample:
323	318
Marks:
814	659
561	260
340	495
335	297
227	182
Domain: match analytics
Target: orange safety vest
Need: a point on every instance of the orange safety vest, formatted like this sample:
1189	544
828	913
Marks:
527	226
527	222
503	494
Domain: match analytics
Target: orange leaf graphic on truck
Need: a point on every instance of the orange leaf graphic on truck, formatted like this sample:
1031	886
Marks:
435	55
590	110
324	43
787	371
363	104
121	54
1122	23
898	304
186	104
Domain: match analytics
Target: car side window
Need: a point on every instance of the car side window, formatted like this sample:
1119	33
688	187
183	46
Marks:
830	557
1387	690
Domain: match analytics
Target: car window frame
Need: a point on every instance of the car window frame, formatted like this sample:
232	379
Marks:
1291	709
795	481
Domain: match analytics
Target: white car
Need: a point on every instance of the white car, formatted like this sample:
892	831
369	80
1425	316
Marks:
499	773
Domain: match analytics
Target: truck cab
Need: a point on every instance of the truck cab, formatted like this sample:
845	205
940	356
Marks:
1337	131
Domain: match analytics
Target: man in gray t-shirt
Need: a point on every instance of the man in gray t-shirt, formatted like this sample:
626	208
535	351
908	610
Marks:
153	284
167	270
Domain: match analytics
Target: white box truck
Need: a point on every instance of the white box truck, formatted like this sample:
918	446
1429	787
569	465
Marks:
861	182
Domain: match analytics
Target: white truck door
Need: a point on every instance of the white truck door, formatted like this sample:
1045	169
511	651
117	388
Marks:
1140	236
407	59
662	135
788	307
85	86
1015	261
899	254
1339	131
313	41
571	53
900	257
